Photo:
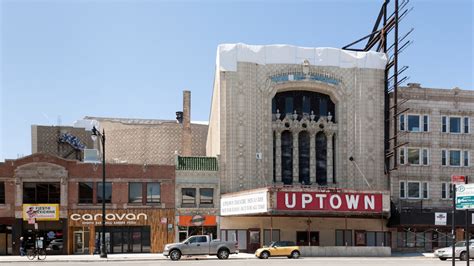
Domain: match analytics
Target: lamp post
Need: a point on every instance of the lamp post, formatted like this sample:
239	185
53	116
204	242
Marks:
96	133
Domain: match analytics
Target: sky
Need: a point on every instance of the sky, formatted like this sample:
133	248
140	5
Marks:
63	60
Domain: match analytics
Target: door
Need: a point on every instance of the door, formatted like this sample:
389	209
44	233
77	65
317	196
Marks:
253	240
182	235
202	246
78	242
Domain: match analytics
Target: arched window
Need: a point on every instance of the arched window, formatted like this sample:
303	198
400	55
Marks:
303	149
287	157
303	102
321	159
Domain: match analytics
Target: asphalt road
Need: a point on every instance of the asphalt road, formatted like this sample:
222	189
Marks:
405	261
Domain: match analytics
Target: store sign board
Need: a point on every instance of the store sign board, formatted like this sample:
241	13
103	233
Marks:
110	218
250	203
41	212
441	218
464	196
197	220
330	201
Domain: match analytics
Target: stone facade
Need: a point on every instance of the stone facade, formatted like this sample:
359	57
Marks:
47	139
240	126
148	141
435	104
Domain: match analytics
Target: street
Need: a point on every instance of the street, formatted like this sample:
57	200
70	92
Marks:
405	261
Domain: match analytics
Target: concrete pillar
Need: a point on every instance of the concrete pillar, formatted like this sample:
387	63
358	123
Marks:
186	149
312	157
295	158
278	157
330	179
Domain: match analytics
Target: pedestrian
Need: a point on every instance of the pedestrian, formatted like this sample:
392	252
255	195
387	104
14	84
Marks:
22	247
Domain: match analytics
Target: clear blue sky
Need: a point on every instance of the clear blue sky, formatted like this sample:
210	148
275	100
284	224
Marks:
70	59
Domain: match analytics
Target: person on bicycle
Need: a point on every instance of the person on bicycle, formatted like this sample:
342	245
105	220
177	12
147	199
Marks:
22	247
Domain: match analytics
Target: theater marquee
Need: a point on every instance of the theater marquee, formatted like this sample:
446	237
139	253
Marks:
330	201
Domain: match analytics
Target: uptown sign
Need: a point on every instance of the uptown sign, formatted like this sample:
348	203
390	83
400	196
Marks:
329	201
114	218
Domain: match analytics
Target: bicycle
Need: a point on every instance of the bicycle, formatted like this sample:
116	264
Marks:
31	254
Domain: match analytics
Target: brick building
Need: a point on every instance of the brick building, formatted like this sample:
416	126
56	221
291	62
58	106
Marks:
436	133
61	197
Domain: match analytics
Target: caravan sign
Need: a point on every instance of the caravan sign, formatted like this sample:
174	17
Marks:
465	196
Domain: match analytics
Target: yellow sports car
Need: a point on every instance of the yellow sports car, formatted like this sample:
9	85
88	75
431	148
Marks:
279	248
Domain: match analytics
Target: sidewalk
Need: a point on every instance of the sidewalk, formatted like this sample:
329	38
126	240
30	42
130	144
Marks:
115	257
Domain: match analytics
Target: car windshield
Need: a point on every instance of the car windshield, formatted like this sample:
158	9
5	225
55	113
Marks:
272	244
460	244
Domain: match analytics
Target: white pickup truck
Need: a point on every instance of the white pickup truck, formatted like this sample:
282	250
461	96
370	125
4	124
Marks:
201	245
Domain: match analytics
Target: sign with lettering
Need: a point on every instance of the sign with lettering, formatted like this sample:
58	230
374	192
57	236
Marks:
329	201
441	218
41	212
249	203
458	179
110	218
465	196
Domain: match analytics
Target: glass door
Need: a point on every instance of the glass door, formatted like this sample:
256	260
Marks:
81	242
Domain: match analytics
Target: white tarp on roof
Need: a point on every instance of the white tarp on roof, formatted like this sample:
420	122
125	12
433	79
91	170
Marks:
229	54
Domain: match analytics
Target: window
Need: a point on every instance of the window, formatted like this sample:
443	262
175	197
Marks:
426	194
455	125
206	195
402	189
41	192
343	237
188	196
425	156
413	156
414	123
108	192
135	192
302	238
378	239
86	192
466	158
454	158
413	190
443	122
444	191
466	125
2	192
153	192
402	122
443	157
417	156
425	123
402	155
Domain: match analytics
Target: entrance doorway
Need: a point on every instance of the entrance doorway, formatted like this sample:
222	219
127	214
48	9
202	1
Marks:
81	241
254	240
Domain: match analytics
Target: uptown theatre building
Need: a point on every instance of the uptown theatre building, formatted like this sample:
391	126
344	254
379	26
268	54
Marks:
301	130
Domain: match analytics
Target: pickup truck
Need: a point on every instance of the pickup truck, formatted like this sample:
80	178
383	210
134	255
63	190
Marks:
201	245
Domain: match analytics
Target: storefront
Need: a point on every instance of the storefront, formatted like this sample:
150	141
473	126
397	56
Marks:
197	225
42	222
309	217
127	231
6	243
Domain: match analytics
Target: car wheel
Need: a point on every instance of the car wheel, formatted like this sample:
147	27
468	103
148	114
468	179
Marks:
443	258
295	254
223	254
175	254
463	255
264	255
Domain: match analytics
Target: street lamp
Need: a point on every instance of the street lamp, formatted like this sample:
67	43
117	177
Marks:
96	133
